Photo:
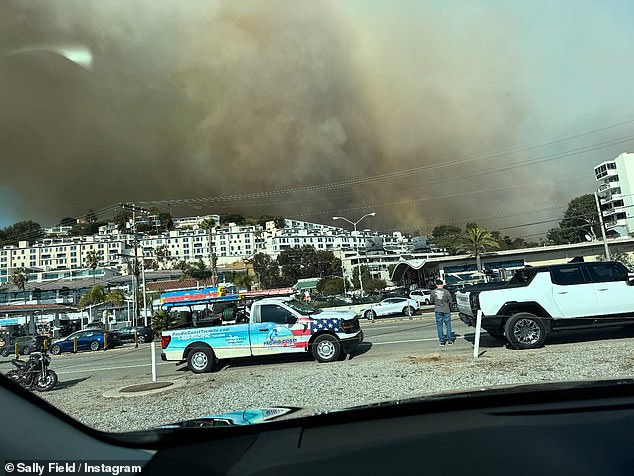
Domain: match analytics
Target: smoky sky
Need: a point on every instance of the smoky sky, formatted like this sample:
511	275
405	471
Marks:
196	99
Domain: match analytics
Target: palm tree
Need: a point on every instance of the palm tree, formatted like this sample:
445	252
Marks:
19	279
475	241
92	261
95	295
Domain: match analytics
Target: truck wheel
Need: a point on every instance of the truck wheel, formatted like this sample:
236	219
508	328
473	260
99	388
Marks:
326	348
201	360
525	331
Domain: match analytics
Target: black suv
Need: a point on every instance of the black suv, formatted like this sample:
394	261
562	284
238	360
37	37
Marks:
26	345
144	334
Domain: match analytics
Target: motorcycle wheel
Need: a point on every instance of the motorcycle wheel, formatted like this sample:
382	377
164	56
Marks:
13	375
46	383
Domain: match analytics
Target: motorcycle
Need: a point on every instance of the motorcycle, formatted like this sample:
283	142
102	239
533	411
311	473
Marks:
34	373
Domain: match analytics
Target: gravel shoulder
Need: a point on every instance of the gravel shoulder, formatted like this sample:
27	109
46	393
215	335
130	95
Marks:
352	382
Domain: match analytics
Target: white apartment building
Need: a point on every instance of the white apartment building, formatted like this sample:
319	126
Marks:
231	243
193	222
58	230
61	253
322	237
618	201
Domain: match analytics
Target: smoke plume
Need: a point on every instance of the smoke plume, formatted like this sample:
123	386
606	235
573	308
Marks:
200	99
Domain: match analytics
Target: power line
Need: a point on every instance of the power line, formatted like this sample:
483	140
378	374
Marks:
397	174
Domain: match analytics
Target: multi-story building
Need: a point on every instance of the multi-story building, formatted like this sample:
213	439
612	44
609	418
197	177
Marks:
231	243
58	230
617	201
193	222
61	253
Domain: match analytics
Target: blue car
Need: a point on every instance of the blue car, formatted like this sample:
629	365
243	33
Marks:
89	339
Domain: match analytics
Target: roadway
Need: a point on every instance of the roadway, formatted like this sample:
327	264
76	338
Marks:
384	338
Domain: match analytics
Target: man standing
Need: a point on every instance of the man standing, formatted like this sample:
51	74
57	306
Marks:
441	299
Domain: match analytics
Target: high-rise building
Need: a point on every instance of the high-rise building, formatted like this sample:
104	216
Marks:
617	202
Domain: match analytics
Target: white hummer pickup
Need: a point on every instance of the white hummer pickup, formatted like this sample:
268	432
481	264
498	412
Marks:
544	299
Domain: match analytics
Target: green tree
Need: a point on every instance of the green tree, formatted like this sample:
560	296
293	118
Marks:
68	221
266	270
166	220
92	261
373	285
475	241
27	230
448	237
241	279
121	220
163	256
365	276
580	219
197	270
19	279
307	262
236	218
330	286
115	297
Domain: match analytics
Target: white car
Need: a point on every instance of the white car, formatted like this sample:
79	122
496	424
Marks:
423	296
394	305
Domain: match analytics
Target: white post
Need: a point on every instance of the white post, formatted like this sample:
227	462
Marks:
605	241
153	349
478	329
144	296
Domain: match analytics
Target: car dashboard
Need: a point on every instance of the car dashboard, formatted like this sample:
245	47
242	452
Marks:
586	429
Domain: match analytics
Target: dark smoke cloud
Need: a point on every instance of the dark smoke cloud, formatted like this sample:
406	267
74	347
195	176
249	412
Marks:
198	99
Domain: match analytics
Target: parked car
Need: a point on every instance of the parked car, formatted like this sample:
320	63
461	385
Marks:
95	325
395	305
423	296
144	333
88	339
26	345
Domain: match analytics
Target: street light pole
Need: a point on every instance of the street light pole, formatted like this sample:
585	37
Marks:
354	224
602	188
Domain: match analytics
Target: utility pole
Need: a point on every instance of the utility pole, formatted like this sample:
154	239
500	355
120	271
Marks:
358	256
135	266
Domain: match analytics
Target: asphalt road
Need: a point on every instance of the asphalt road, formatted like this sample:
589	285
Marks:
384	338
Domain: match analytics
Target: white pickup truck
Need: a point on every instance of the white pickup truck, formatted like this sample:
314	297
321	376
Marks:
545	299
277	325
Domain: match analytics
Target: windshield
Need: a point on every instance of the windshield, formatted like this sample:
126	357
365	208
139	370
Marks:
302	308
175	171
